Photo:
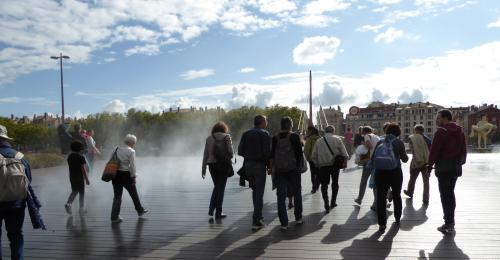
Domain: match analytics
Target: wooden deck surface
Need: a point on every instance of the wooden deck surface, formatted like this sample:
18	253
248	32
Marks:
178	225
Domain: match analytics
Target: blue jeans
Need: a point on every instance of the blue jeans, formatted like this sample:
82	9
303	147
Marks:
219	177
13	218
285	181
256	174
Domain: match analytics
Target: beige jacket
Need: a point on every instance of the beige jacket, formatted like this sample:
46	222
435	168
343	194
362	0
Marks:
208	153
420	151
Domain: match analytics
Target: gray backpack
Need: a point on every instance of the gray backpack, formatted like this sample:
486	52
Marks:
284	156
13	180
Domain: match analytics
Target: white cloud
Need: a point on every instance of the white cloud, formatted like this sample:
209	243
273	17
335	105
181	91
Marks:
115	106
390	35
134	33
321	6
195	74
315	50
247	70
276	6
240	20
149	50
416	95
370	28
388	2
246	95
318	21
38	101
378	95
477	68
495	24
431	3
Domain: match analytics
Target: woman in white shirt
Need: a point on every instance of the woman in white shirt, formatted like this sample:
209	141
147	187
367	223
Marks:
125	178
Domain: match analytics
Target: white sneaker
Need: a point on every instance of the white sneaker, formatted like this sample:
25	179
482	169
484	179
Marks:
118	220
284	228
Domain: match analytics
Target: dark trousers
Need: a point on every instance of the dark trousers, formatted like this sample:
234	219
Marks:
219	177
384	180
448	202
256	174
325	174
413	178
315	179
123	180
365	175
288	183
13	218
81	197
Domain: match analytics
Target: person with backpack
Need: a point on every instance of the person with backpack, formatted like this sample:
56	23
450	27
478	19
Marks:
420	158
370	141
328	154
126	178
78	177
386	160
286	156
255	147
217	156
16	194
448	154
312	137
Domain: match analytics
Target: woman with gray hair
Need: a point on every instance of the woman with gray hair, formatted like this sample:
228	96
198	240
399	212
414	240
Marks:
126	178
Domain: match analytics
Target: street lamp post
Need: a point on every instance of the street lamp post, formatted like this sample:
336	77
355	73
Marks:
60	58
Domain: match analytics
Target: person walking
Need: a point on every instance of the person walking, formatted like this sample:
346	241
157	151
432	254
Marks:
126	178
419	161
78	177
312	137
348	139
255	148
448	154
217	156
16	194
389	177
370	141
324	155
286	156
93	151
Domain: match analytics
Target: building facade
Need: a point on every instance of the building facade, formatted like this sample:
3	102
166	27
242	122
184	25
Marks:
409	115
376	114
331	116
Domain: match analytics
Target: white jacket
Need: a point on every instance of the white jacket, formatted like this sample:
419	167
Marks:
321	155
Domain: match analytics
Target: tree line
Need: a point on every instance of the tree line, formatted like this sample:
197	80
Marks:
169	133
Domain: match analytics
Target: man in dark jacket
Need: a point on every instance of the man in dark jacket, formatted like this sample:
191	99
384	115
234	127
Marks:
255	147
448	153
286	155
12	212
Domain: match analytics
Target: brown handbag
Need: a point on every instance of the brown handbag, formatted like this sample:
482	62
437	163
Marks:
111	168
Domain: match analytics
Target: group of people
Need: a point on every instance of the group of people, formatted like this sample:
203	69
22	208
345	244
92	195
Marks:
283	156
125	177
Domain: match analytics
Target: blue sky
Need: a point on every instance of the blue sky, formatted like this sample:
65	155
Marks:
153	55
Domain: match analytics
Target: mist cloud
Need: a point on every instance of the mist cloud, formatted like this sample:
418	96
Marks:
244	95
416	95
378	95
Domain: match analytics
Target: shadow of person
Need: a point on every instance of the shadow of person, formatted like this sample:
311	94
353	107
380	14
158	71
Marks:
411	217
352	227
370	247
240	229
257	247
447	248
82	242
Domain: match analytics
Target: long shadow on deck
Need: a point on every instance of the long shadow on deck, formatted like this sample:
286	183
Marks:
257	247
446	248
352	227
371	247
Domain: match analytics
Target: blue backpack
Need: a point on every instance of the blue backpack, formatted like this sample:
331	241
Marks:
383	156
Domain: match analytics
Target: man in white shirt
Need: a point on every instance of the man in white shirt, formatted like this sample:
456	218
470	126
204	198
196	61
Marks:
370	141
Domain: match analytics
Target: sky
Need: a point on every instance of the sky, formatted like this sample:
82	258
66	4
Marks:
157	54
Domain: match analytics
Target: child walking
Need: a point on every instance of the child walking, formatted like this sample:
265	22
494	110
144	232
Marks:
77	176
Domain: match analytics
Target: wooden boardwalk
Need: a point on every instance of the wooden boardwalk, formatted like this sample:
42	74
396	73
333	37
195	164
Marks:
178	226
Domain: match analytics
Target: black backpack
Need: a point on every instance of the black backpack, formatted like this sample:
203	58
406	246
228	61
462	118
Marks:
221	152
